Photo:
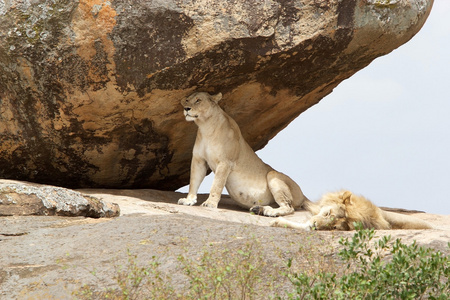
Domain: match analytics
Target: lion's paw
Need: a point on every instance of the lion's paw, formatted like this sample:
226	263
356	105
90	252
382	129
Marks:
187	201
278	222
310	226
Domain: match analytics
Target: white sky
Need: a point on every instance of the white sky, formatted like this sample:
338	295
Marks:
383	133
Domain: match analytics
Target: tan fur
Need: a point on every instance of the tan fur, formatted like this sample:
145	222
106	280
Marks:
341	210
220	146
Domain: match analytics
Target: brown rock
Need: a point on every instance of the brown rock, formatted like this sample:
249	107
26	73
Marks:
90	90
51	257
23	199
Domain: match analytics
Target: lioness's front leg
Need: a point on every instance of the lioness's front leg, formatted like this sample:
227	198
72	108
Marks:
220	178
198	173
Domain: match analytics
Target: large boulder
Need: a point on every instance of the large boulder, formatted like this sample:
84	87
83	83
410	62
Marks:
90	89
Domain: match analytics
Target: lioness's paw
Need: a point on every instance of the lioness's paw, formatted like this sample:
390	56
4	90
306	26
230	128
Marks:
257	210
265	211
209	204
271	213
186	201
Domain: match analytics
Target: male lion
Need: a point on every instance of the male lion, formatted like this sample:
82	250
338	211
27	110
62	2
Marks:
220	146
342	210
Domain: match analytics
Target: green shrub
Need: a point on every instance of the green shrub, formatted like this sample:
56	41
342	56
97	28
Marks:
378	269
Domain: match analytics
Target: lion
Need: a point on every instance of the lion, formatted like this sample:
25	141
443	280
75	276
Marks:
220	146
342	210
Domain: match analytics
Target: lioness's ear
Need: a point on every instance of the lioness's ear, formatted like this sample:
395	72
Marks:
346	197
216	98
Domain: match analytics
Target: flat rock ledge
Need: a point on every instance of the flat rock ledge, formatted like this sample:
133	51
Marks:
25	199
49	257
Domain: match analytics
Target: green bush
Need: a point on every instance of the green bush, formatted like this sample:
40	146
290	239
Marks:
378	269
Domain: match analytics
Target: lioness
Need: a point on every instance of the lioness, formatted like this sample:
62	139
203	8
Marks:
220	146
342	210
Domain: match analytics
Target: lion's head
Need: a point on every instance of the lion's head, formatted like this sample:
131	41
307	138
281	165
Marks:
199	106
330	222
333	215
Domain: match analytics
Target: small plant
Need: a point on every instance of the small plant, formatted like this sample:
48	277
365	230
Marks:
134	282
378	270
225	274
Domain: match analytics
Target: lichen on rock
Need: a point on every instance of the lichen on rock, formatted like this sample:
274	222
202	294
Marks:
23	199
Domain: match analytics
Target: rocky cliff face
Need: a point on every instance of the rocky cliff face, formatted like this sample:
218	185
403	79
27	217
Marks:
90	89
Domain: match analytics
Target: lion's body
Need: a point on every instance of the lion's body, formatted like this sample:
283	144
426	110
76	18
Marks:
220	146
342	210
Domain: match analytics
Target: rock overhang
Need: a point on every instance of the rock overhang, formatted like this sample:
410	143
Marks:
90	90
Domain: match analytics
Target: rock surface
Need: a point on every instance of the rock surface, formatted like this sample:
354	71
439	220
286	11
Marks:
23	199
50	257
90	89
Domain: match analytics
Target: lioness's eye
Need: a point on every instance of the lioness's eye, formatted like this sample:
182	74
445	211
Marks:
198	101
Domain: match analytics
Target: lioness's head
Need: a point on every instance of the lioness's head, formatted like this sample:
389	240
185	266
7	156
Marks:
199	106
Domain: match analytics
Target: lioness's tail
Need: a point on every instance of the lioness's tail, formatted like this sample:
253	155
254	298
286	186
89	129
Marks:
400	221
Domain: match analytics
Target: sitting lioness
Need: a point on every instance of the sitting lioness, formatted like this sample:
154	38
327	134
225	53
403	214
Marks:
220	146
342	210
